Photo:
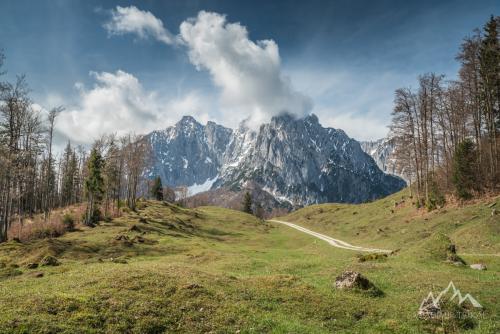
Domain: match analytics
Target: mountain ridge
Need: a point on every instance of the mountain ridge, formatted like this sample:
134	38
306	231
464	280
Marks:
296	160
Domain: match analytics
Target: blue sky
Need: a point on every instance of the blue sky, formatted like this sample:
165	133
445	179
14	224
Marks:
341	60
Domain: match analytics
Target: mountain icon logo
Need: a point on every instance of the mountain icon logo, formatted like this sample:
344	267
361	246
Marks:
456	295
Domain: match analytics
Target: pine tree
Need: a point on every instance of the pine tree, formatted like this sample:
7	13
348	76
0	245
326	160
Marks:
464	169
247	203
489	56
69	170
157	189
94	187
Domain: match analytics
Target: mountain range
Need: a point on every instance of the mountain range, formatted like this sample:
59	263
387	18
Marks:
295	161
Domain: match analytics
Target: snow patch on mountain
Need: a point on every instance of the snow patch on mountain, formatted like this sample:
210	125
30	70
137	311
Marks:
198	188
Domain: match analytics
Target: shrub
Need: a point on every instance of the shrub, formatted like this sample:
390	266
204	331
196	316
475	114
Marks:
94	217
436	198
68	222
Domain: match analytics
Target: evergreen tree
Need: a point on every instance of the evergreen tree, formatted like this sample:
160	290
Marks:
157	189
94	187
464	169
247	203
489	56
69	170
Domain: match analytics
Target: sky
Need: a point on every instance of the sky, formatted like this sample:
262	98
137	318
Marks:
138	66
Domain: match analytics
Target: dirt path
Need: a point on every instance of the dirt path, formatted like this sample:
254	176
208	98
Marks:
334	242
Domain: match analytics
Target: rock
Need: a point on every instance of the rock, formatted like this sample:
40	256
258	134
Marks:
478	266
352	280
32	265
428	309
452	257
121	237
49	261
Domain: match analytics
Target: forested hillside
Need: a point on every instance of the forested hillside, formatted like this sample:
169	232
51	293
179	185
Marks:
447	131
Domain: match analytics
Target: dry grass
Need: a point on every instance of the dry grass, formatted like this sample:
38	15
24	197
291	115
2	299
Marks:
38	227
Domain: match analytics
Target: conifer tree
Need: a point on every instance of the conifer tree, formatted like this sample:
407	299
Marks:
464	169
157	189
94	187
247	203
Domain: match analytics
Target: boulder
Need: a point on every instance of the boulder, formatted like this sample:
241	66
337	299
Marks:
37	274
49	261
352	280
478	266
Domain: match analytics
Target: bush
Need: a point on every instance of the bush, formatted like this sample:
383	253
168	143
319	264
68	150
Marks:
68	222
436	198
94	218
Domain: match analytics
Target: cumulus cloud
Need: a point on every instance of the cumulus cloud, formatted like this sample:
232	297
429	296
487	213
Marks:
247	72
142	23
118	103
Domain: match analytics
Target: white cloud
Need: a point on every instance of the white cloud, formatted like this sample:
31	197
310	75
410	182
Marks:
247	72
252	82
119	104
355	100
142	23
358	126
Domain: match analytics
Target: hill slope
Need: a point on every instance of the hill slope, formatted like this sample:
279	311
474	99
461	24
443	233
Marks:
222	271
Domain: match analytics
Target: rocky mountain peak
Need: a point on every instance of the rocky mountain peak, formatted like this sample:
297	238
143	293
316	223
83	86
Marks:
295	160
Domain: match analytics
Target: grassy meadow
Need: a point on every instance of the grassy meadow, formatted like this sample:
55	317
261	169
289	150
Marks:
213	270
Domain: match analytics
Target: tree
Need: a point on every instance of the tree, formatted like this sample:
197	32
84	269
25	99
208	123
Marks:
49	194
94	187
247	203
137	156
464	169
489	57
68	176
168	194
157	189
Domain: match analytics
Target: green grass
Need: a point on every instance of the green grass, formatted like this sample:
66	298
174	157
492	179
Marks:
223	271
